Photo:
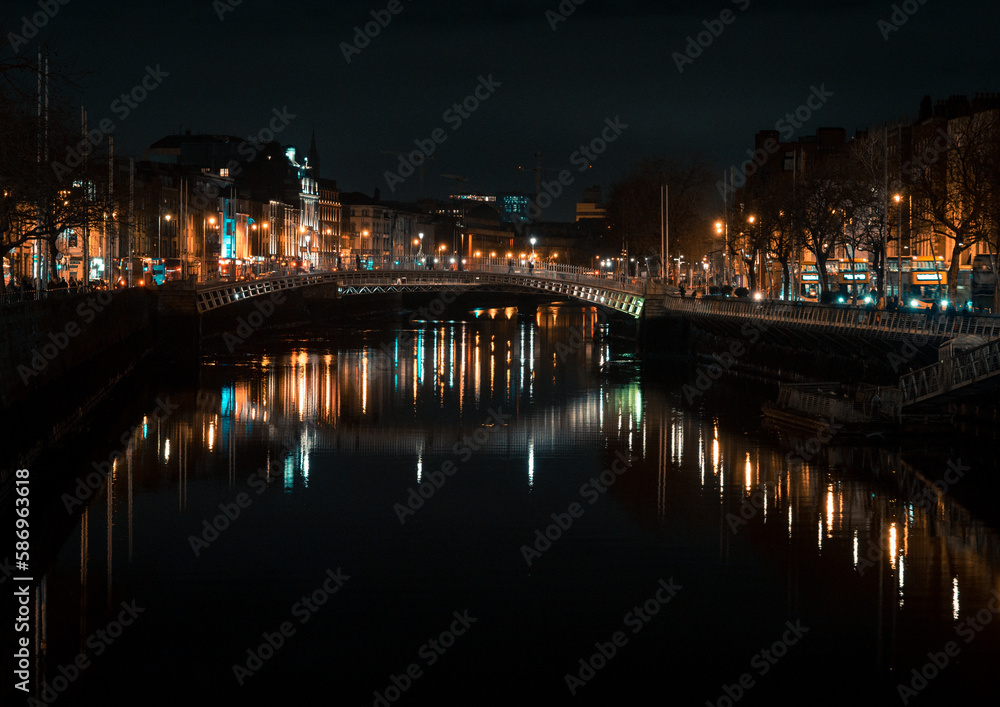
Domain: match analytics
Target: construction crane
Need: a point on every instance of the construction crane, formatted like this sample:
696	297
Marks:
538	170
456	178
420	193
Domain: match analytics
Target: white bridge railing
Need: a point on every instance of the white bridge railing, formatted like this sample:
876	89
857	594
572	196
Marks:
411	274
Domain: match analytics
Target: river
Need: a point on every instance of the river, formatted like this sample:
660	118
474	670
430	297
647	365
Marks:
501	510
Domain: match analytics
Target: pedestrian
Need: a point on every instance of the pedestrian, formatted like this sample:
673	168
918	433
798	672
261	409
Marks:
531	267
681	288
879	306
510	266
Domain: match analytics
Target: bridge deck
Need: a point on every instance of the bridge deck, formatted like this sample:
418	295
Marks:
625	296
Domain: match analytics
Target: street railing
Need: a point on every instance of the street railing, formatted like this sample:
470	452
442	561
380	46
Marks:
955	372
808	315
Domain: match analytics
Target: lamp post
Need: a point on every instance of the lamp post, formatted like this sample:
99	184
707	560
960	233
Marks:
266	236
752	220
720	230
532	240
255	249
159	237
420	250
899	246
204	246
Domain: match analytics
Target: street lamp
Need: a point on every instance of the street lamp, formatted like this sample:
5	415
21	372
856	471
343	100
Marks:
898	198
159	237
532	240
204	247
420	250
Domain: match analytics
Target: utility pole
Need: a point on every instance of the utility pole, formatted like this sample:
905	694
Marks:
86	197
109	231
131	218
665	230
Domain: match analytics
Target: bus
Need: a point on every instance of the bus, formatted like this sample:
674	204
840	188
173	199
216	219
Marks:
928	277
809	278
853	276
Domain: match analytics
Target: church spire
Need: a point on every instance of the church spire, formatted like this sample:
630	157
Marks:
314	156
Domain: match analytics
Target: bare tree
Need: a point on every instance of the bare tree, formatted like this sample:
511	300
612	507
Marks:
821	207
952	196
866	202
41	200
634	207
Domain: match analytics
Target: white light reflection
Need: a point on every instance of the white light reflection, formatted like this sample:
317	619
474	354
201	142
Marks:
855	548
701	455
829	511
420	465
954	598
364	383
531	462
892	545
902	571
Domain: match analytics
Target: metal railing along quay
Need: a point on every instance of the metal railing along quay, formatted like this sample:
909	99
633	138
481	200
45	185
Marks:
964	369
889	325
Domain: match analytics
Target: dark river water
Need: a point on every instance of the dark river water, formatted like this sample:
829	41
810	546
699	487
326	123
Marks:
503	511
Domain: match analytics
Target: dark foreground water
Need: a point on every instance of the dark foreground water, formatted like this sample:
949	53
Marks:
500	511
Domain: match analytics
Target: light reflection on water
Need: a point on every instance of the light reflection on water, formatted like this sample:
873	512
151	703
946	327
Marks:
342	432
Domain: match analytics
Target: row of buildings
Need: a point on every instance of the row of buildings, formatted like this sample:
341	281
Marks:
937	206
211	206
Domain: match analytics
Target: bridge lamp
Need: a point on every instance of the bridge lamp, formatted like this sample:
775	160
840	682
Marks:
533	240
493	254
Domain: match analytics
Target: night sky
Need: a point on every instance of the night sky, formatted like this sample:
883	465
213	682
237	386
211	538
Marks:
556	87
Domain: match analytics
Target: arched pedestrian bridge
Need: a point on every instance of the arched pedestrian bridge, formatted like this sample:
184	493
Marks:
622	295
